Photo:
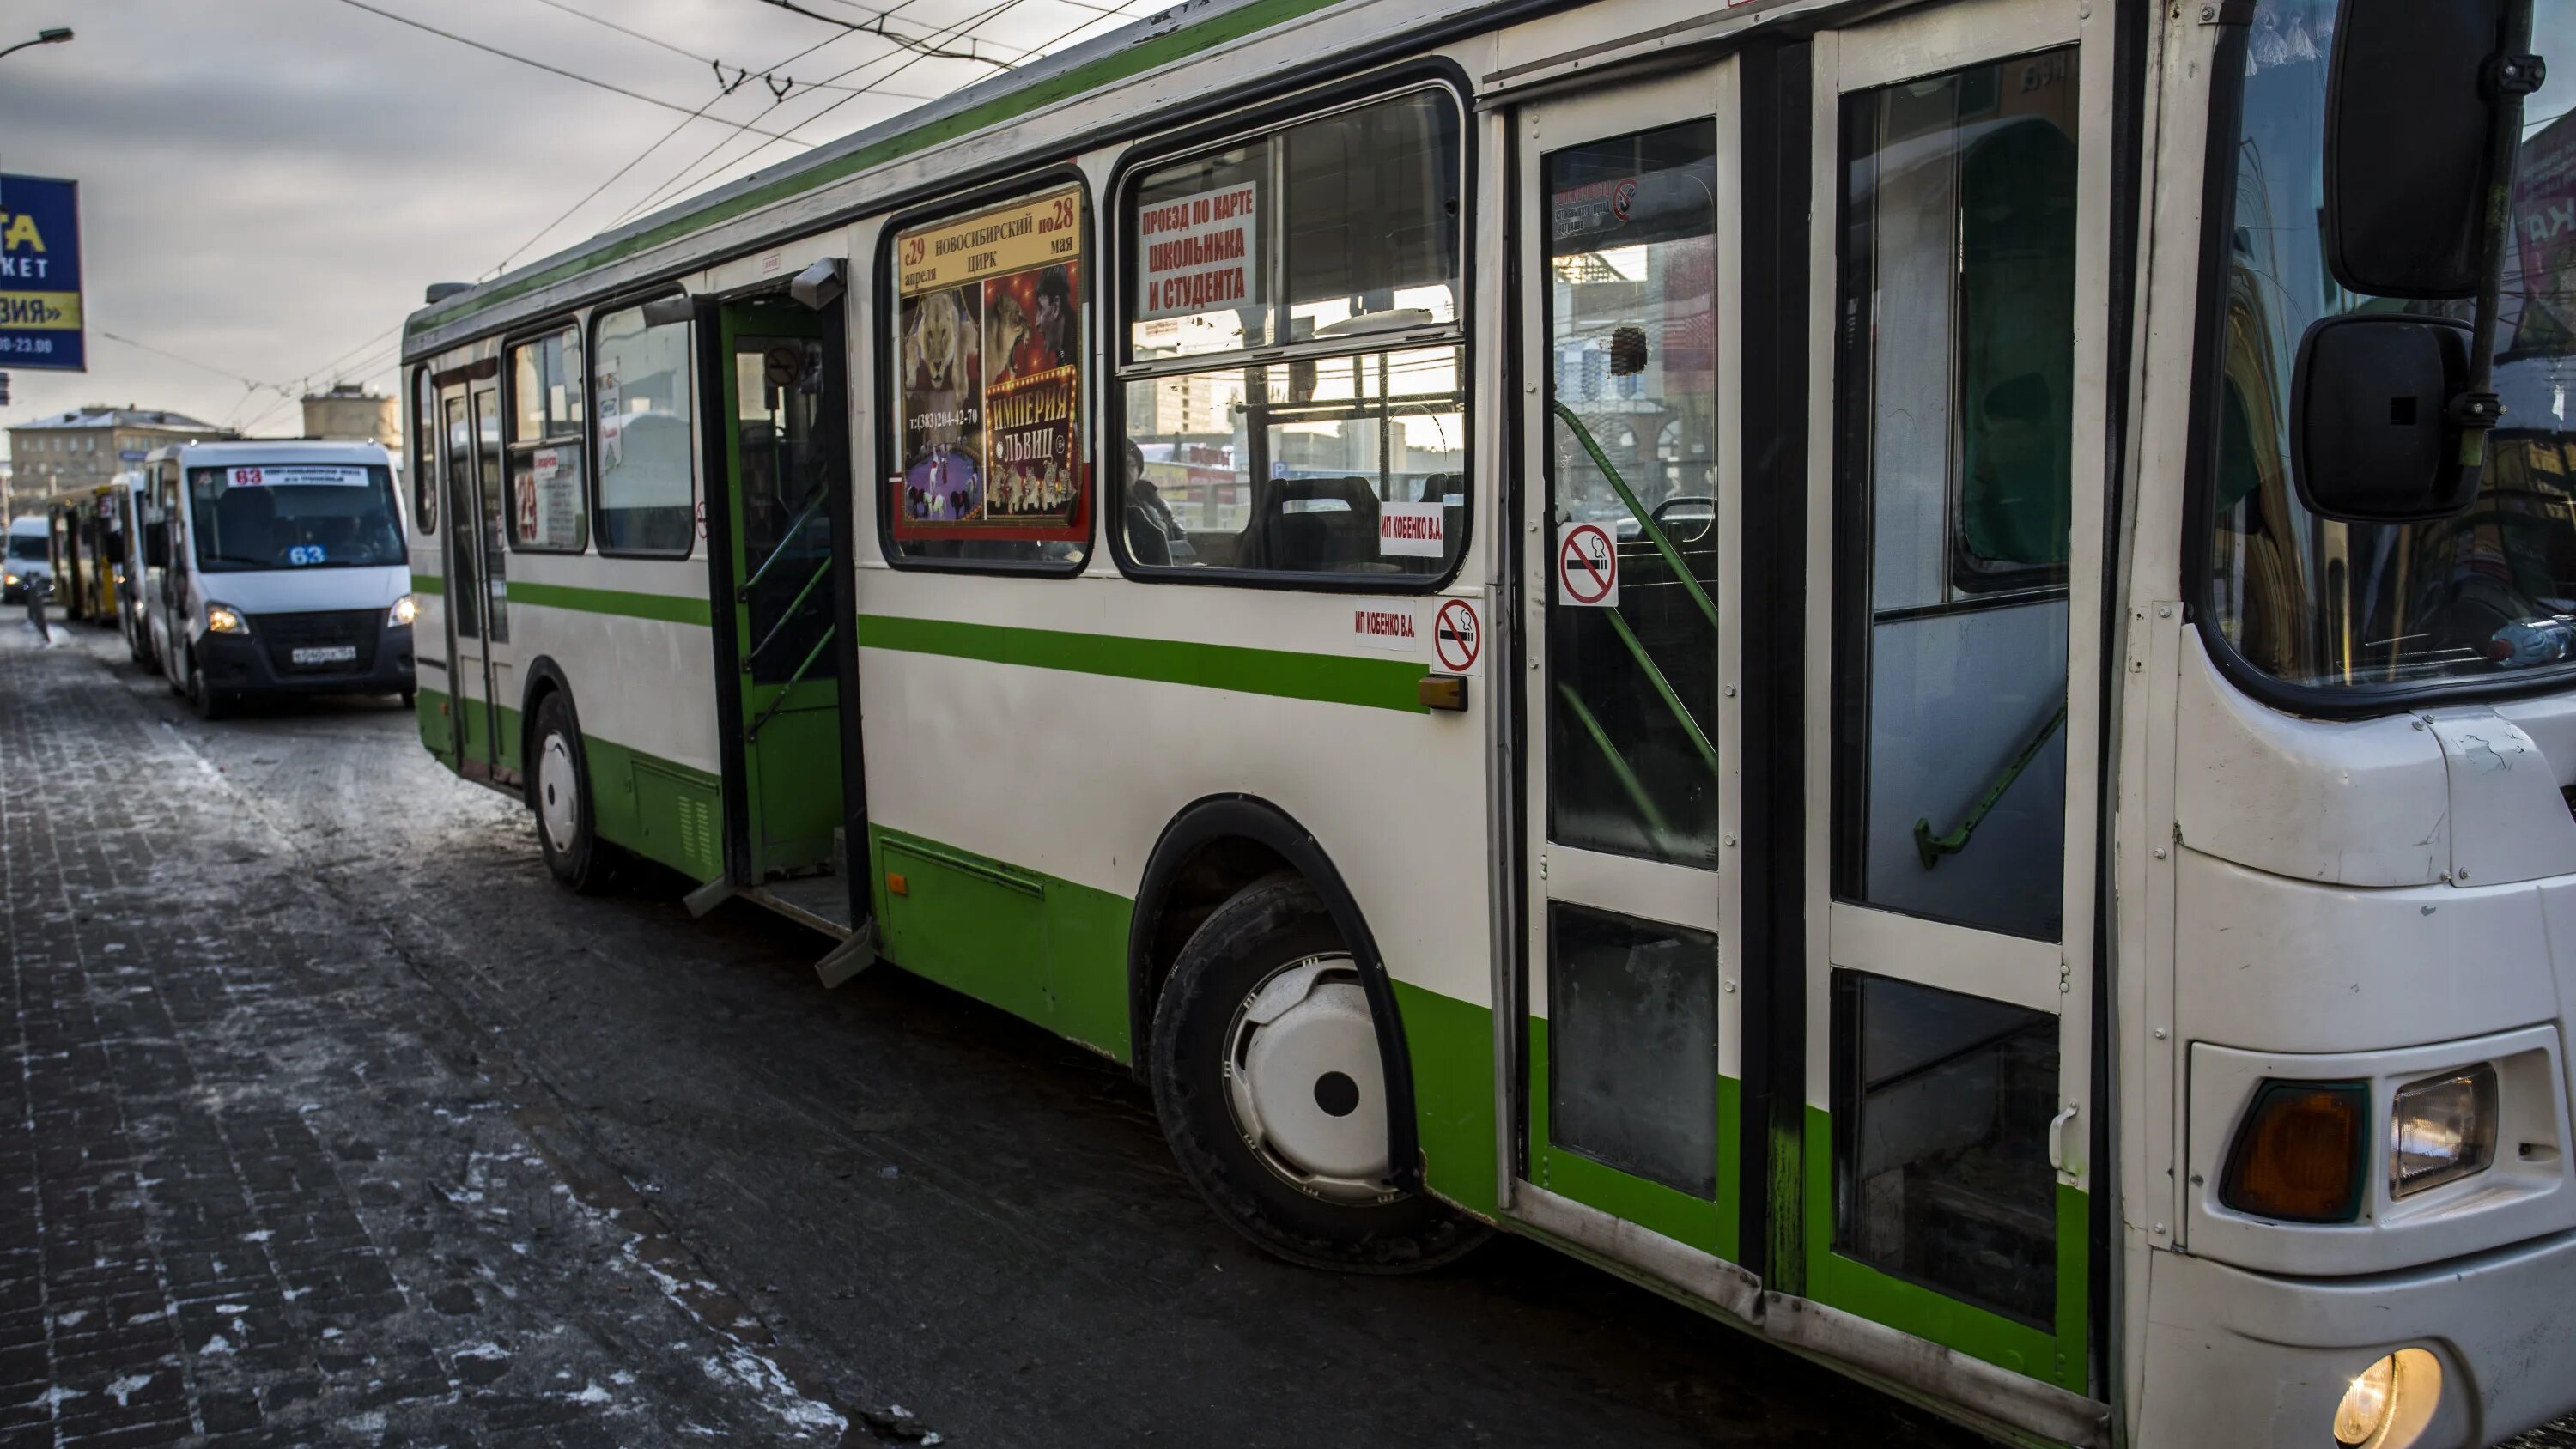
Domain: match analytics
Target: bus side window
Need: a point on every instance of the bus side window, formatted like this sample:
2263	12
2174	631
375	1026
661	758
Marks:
642	401
1332	245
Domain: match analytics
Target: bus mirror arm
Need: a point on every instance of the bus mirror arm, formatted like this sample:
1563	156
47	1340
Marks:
156	544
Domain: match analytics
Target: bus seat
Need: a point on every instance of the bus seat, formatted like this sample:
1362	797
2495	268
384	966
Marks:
1314	524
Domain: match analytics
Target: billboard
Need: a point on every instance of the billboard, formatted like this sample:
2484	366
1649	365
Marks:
40	280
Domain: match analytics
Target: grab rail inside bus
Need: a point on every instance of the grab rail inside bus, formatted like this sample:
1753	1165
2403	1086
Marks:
1619	624
1645	521
795	526
786	617
1618	763
752	735
1929	848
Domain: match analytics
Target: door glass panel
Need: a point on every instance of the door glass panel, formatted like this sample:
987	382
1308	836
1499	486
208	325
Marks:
462	571
1632	1046
1955	397
496	516
786	529
1942	1104
1632	337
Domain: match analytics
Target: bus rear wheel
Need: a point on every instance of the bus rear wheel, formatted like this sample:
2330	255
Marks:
559	789
1271	1089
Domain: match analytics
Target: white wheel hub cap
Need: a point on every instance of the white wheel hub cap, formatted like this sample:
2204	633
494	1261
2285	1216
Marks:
558	792
1305	1082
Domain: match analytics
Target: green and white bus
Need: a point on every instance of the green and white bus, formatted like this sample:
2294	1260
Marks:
1870	662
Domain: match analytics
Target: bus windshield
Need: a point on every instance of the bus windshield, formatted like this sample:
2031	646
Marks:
2488	594
294	515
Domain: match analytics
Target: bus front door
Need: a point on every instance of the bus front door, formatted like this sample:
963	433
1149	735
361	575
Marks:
1813	591
1958	315
783	446
1631	722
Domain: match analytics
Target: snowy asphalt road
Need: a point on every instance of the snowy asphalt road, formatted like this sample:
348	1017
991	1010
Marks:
304	1030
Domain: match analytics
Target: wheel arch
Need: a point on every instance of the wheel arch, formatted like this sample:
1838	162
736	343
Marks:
1211	850
544	677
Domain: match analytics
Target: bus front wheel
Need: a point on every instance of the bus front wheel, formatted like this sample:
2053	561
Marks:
560	791
209	702
1270	1086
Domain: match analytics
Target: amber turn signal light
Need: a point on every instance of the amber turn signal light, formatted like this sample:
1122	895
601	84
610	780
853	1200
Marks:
2301	1154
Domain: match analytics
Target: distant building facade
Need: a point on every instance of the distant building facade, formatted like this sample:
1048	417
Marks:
89	446
350	413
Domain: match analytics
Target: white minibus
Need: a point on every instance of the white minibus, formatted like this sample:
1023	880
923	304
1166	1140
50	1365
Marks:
277	568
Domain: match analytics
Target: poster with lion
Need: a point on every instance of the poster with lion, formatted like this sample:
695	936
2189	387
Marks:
989	385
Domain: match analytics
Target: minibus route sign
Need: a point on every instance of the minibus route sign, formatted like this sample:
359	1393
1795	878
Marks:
40	275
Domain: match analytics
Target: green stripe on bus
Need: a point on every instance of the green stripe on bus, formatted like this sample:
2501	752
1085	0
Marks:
1330	678
428	584
1119	65
667	608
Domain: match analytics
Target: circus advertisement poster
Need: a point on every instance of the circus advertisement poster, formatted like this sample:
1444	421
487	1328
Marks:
991	385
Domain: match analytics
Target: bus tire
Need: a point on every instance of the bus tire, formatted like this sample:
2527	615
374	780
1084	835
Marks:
208	702
559	789
1271	1119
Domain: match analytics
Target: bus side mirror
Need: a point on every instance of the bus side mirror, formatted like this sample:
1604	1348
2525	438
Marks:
2409	114
2371	440
156	544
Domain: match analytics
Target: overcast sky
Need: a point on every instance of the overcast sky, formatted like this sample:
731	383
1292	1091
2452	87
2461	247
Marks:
267	185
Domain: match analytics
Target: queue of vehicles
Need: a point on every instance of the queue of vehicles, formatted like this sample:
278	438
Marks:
237	569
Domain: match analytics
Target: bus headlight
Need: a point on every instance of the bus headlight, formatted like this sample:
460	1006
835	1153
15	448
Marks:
405	610
2442	1129
225	619
2392	1403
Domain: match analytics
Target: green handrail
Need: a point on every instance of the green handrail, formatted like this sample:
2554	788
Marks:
1929	848
1672	698
752	735
1618	763
1645	522
794	606
795	526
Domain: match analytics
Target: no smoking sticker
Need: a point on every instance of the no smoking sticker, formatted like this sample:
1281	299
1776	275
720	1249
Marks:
1458	637
1587	566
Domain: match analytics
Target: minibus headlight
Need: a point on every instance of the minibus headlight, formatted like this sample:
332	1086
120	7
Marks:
405	610
225	619
2300	1155
2442	1129
9	580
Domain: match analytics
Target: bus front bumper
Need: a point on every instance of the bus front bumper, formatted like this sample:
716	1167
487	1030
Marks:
256	664
2235	1357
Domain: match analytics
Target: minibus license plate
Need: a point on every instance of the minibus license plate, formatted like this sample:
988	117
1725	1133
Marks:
327	654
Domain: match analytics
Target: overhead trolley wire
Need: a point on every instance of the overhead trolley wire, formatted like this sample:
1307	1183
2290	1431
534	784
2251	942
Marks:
708	60
539	64
990	13
665	138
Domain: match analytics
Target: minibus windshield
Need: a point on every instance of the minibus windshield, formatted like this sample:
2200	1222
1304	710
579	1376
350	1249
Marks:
2490	594
27	546
294	516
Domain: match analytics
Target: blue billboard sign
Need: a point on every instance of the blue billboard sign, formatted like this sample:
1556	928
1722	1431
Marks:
40	275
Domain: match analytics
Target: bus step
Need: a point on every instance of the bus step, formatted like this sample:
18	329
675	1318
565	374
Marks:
709	896
849	958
